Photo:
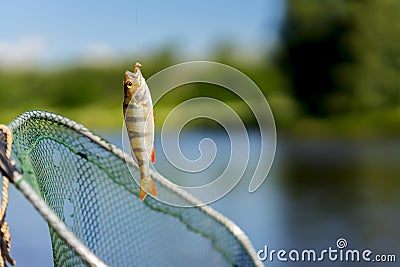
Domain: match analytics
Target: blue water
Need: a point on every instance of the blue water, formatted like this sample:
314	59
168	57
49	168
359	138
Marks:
317	192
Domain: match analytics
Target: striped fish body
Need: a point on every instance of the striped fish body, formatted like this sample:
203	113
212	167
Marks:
139	121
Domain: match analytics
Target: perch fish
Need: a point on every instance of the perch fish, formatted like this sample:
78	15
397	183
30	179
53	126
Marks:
139	120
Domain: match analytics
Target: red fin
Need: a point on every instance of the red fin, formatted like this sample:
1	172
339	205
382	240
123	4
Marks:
148	185
153	155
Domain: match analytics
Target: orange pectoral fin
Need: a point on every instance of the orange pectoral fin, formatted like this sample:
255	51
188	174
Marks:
153	155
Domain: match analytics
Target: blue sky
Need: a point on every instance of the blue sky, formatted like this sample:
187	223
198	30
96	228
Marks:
54	31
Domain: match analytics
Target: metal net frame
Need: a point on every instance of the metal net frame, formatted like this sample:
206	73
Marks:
82	186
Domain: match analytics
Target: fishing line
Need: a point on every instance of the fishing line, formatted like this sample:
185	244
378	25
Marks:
137	30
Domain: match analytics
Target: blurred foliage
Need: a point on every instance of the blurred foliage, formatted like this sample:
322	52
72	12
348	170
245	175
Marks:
92	94
342	56
335	71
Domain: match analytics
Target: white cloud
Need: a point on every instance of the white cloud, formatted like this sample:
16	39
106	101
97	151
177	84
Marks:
99	53
25	52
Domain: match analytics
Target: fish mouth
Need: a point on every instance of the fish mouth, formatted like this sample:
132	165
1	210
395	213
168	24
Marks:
135	76
137	67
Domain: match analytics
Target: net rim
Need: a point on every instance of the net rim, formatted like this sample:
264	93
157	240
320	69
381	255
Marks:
235	230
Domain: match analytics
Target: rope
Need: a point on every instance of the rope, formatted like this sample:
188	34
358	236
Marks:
5	238
7	168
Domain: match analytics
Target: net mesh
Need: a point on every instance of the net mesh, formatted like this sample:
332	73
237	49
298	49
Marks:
87	183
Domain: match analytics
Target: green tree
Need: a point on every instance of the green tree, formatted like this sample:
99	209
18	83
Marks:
341	55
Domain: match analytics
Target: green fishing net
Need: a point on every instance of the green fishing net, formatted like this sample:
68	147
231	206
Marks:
86	181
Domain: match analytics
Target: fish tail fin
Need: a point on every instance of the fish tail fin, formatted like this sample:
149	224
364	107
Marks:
147	185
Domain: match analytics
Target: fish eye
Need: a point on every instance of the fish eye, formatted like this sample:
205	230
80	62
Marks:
129	84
